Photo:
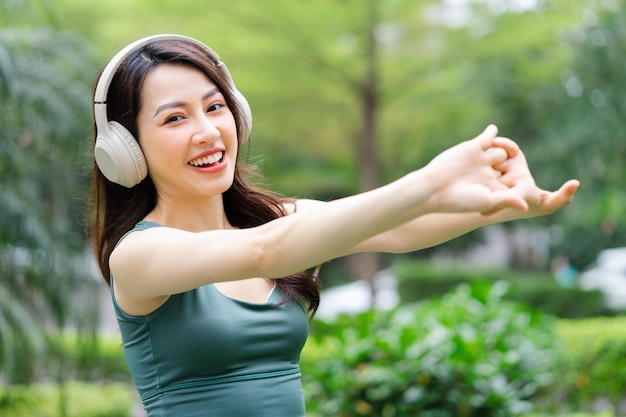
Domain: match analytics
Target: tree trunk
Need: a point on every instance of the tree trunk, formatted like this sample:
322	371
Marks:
366	265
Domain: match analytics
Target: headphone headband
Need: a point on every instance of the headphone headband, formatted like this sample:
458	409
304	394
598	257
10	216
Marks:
109	71
117	153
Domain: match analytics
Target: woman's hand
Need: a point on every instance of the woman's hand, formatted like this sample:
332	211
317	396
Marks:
468	176
487	175
516	175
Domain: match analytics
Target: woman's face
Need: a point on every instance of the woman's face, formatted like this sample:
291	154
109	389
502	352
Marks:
187	133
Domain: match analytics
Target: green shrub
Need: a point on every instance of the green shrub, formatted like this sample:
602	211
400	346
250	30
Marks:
606	414
421	279
592	363
68	355
88	358
544	295
80	399
468	354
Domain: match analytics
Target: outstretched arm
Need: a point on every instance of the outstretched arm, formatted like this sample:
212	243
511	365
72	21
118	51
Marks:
435	228
162	261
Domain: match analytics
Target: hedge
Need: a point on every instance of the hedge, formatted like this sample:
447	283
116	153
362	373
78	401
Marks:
468	354
468	338
77	399
592	365
383	363
422	279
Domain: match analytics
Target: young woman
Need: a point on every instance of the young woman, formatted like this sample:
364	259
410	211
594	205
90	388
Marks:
208	273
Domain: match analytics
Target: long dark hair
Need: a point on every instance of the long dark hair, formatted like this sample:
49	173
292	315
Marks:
114	209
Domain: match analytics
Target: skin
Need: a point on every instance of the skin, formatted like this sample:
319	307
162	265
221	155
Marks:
184	117
478	182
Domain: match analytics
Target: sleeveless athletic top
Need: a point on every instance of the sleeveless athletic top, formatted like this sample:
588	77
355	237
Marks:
205	354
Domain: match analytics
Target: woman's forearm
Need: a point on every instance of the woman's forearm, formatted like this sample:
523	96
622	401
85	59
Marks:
433	229
333	229
426	231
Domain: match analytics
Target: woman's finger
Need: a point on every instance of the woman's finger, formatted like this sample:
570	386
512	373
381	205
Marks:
552	201
496	156
506	199
507	144
486	138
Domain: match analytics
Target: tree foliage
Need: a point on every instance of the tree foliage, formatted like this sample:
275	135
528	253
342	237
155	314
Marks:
44	102
446	70
587	132
584	132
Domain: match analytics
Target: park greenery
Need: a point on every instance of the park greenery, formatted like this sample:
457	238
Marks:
346	95
473	354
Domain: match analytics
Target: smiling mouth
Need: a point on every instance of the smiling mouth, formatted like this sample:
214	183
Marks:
208	160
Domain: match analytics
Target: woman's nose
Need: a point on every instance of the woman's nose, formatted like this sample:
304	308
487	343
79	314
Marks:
205	129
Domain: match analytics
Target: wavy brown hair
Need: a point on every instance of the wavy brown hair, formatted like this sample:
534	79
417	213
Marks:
114	209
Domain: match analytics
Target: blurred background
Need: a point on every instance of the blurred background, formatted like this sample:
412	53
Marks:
346	95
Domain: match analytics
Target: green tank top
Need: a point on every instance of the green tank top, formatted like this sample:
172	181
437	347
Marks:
205	354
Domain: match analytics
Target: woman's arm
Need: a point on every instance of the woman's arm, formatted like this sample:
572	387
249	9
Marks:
436	228
163	261
433	229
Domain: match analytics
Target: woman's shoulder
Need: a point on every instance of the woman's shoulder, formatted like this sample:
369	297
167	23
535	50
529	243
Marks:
139	226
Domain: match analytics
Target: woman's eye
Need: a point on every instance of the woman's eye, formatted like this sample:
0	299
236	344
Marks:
173	119
215	107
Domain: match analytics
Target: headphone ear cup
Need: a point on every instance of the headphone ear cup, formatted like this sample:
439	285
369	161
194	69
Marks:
119	156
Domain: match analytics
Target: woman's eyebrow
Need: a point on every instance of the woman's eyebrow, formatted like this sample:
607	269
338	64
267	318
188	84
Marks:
210	93
174	104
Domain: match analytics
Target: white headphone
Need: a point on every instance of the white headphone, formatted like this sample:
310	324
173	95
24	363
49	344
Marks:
117	153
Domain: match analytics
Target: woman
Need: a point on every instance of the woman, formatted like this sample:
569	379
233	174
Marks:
206	271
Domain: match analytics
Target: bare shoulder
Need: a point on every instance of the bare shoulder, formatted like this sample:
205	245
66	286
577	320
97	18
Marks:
161	261
138	244
126	263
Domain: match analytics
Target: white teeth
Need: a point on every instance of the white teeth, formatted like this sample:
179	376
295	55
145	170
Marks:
207	160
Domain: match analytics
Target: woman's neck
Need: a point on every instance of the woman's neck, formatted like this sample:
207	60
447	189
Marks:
197	217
